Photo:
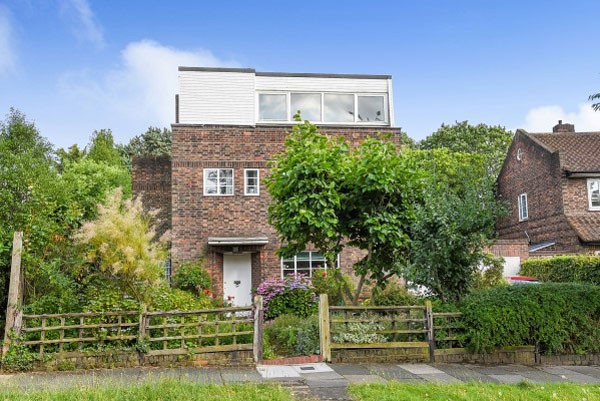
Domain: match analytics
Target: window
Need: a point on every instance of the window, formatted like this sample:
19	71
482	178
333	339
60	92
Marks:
523	211
594	193
273	107
251	182
304	263
371	108
338	108
309	105
218	181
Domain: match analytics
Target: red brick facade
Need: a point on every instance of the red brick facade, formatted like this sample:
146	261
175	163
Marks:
196	217
556	200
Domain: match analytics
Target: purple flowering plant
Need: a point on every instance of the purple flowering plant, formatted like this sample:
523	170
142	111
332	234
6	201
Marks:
294	294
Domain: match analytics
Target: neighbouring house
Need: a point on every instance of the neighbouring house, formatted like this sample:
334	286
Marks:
551	183
229	122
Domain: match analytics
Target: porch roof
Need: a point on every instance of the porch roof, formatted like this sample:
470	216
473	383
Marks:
238	240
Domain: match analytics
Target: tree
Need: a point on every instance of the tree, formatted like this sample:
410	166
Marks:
102	148
455	211
595	96
490	141
153	142
330	195
120	244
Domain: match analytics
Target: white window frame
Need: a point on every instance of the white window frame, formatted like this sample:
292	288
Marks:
525	216
290	112
310	271
205	176
589	194
246	193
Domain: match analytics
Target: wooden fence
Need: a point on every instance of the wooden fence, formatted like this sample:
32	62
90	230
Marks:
160	332
377	327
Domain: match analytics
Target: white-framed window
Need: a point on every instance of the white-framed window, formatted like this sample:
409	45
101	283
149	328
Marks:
593	188
251	182
323	107
218	181
304	263
523	210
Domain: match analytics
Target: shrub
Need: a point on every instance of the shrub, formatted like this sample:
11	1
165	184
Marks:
191	276
563	269
325	283
293	294
491	274
361	333
394	295
558	318
290	335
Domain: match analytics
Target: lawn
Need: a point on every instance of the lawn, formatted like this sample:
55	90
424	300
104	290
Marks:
162	391
474	392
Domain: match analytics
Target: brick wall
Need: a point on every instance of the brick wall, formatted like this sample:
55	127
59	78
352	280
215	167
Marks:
151	179
196	217
510	248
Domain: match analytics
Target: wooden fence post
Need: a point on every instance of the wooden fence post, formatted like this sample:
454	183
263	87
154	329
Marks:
430	330
142	322
14	291
258	329
324	329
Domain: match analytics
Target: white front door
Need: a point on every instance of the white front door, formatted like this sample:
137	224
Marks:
237	279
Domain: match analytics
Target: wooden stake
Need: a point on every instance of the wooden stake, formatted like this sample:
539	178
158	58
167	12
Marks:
324	329
14	290
258	328
430	330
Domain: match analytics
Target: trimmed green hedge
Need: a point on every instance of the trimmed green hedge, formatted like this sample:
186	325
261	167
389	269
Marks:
558	318
564	269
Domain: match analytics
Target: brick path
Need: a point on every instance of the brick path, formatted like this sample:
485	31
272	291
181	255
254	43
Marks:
320	381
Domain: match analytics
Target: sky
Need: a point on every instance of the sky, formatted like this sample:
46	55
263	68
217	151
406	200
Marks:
75	66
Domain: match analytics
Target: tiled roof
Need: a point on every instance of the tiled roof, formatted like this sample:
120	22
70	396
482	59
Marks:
587	227
578	151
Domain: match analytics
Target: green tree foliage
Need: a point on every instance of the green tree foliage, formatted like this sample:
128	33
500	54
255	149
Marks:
102	148
153	142
119	243
491	142
454	214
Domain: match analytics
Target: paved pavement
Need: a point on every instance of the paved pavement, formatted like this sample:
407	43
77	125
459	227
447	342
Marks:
313	381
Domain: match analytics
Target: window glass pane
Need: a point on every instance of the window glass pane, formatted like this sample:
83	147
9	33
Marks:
370	108
272	107
211	181
302	256
318	260
288	267
595	193
309	105
339	108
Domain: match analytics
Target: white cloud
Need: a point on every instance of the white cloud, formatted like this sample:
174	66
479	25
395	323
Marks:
542	119
141	90
84	23
7	48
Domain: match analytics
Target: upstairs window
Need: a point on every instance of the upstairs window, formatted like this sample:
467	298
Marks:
308	103
251	182
272	107
218	181
304	263
593	185
523	211
339	108
371	108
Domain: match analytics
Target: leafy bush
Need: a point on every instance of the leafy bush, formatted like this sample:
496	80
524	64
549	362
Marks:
290	335
491	275
191	276
360	333
564	269
325	283
558	318
394	295
291	295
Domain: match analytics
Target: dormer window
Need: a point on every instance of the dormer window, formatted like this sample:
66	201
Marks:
593	185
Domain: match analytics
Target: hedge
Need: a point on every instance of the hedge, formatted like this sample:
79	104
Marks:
560	318
563	269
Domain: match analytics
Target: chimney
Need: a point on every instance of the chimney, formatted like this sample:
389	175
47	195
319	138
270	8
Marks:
560	127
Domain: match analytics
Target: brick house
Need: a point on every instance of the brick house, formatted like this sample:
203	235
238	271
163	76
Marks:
551	182
228	124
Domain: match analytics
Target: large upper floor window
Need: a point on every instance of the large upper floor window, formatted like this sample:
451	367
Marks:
304	263
326	107
218	181
593	187
523	210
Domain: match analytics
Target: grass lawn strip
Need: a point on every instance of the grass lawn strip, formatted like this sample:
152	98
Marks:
474	392
161	391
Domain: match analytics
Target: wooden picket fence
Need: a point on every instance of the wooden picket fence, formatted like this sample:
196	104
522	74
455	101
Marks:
377	327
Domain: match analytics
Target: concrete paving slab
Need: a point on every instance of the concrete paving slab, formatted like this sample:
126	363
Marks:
420	369
322	376
329	393
490	370
509	379
364	379
312	368
539	376
570	375
201	375
236	375
277	371
441	377
593	371
465	374
351	369
313	383
393	372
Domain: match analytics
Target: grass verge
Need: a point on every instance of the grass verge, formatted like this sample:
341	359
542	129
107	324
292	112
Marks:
474	392
161	391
